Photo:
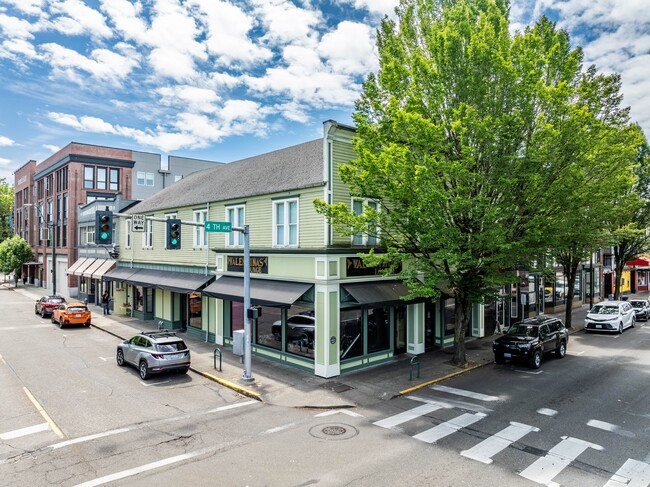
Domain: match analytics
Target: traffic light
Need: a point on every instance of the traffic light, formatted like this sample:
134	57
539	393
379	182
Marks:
103	227
173	234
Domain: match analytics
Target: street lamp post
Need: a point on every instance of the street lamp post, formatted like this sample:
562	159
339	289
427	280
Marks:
52	238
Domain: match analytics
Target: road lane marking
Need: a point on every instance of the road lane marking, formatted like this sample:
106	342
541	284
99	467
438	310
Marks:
547	412
144	468
633	473
29	430
485	450
103	358
594	423
46	416
464	393
88	438
545	469
405	416
445	429
575	353
337	411
2	360
528	371
149	384
279	428
232	406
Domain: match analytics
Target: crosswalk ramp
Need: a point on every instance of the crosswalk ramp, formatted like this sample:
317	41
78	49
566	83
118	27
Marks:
544	470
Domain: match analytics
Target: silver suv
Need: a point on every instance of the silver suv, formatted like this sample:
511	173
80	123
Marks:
154	351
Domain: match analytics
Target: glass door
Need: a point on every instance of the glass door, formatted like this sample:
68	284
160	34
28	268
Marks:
399	314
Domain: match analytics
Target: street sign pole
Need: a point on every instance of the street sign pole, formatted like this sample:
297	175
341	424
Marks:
248	377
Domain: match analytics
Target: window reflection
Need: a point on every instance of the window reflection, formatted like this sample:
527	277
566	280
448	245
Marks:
351	336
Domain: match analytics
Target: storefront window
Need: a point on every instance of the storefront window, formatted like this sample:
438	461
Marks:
300	331
560	288
351	336
449	316
269	328
196	308
378	329
236	316
137	305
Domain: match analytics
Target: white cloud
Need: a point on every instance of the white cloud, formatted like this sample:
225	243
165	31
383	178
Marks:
4	162
350	48
52	148
29	7
14	48
287	23
192	98
6	141
375	7
15	27
76	18
227	29
125	16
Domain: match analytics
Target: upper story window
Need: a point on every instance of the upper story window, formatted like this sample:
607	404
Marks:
114	181
128	234
64	207
50	212
145	178
49	188
364	238
147	236
235	215
285	223
101	177
89	177
200	237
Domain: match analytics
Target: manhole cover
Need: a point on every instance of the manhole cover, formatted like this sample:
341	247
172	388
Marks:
333	431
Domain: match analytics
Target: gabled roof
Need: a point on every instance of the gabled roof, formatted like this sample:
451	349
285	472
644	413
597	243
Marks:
292	168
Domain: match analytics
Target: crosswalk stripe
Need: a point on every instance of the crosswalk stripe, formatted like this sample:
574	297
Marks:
464	393
445	429
10	435
485	450
400	418
633	473
544	470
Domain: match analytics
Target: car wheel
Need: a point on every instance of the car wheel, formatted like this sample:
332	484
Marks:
144	370
536	359
620	327
119	358
35	310
560	351
499	358
52	319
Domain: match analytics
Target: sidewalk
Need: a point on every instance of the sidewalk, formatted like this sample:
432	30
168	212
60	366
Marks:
283	385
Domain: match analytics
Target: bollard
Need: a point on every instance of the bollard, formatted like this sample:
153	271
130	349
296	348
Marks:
414	361
215	358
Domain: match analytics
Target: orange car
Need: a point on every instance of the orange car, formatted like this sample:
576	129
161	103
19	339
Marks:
71	314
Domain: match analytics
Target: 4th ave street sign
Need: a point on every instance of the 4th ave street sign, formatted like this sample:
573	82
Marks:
217	226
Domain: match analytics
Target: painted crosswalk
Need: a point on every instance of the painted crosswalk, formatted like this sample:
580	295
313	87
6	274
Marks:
544	470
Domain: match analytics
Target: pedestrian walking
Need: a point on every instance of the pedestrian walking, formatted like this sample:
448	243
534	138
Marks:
105	300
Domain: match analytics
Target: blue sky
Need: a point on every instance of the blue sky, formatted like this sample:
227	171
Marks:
223	80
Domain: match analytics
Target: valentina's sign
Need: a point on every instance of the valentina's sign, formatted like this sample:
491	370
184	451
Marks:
259	265
355	267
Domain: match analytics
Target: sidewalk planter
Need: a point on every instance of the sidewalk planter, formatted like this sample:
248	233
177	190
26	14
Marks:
126	310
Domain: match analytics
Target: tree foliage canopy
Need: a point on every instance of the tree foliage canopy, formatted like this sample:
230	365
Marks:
14	252
473	142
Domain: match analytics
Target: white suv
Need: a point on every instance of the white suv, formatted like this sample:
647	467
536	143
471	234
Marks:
610	316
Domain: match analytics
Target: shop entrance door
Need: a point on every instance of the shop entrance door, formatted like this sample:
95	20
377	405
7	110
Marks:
400	329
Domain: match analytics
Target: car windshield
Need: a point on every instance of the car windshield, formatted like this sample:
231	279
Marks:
637	304
523	330
604	310
171	347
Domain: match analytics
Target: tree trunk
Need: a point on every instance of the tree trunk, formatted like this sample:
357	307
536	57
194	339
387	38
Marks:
462	316
571	283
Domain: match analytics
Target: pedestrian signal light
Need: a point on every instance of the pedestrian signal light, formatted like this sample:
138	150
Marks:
173	234
104	227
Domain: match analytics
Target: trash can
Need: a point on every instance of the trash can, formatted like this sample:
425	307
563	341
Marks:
238	342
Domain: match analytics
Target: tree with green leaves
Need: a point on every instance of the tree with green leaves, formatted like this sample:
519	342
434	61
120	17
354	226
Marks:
14	252
6	207
459	137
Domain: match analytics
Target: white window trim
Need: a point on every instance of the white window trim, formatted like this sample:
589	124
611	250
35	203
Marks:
141	175
365	236
287	225
238	237
147	236
199	236
150	178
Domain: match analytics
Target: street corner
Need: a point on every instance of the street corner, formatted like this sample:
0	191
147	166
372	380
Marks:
247	389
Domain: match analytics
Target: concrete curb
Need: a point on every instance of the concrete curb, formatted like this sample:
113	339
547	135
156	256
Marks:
440	379
230	385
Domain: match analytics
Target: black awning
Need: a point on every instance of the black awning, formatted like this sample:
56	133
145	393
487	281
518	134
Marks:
177	282
119	274
264	292
377	292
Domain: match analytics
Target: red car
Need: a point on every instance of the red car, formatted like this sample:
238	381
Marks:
45	306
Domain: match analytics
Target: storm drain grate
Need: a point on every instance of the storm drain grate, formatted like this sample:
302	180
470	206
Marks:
337	386
334	430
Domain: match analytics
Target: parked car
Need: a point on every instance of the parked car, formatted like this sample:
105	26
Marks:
71	314
45	305
641	309
530	339
300	327
154	352
613	316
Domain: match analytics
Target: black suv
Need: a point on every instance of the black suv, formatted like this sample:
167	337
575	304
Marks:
530	339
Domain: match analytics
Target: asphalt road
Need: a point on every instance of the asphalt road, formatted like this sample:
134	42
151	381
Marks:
70	416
